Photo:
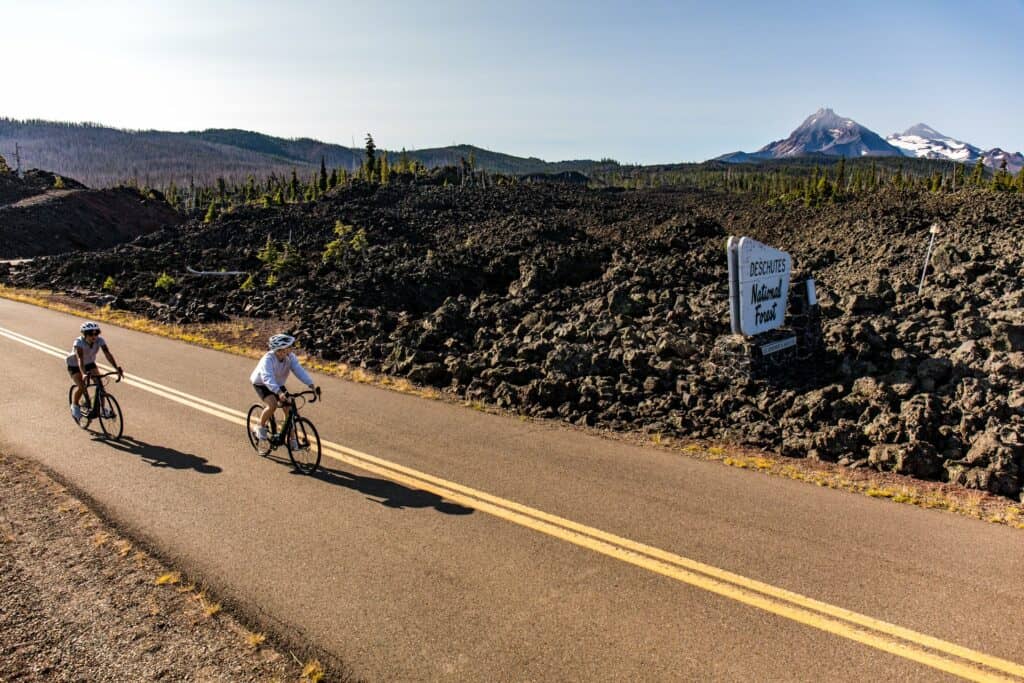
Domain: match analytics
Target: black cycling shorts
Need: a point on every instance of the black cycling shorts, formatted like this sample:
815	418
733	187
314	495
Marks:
73	369
264	391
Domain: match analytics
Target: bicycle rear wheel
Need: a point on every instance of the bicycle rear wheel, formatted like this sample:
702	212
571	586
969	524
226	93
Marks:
305	451
252	423
111	419
83	421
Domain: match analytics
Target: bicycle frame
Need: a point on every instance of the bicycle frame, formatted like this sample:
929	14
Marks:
291	414
96	381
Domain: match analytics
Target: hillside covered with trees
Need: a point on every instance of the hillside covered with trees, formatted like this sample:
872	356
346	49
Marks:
101	156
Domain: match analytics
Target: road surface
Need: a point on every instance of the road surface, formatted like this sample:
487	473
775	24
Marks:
442	543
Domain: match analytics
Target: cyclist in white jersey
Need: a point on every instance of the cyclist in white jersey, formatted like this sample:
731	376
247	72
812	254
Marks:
82	361
270	375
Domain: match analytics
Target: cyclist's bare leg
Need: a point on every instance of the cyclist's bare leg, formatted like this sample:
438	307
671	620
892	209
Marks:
271	405
80	386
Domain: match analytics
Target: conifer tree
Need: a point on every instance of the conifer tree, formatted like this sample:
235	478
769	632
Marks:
385	169
1001	178
371	157
323	175
978	175
332	182
293	187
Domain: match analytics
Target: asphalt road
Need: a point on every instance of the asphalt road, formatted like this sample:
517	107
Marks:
441	543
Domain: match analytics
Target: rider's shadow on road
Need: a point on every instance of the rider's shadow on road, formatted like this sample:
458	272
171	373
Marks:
161	456
389	493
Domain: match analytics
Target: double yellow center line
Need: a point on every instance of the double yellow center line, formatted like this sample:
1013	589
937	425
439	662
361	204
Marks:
902	642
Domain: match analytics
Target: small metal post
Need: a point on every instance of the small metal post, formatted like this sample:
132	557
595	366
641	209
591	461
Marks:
934	230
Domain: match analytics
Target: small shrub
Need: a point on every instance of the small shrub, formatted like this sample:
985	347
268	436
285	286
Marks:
58	183
349	239
289	261
271	280
164	282
333	251
358	241
249	284
211	213
109	284
269	253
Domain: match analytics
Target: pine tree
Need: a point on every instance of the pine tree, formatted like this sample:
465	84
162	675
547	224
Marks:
211	213
293	187
172	194
385	169
323	175
371	157
1001	178
222	188
978	175
841	176
332	182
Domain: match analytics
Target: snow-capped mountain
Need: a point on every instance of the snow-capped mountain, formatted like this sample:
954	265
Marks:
993	158
925	142
825	132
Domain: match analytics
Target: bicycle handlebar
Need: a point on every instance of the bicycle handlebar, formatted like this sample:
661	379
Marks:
107	374
313	393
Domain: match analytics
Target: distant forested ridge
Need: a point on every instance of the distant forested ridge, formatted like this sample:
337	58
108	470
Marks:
101	156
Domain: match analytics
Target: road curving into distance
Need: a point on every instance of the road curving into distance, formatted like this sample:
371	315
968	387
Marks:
444	543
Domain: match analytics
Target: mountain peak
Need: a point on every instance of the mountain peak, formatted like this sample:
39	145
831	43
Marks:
826	132
923	130
923	141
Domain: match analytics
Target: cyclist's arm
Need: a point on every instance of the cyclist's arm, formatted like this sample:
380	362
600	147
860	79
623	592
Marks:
300	372
110	357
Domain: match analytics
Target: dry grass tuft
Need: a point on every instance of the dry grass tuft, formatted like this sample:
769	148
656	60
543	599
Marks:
313	672
168	579
100	539
210	608
123	548
255	640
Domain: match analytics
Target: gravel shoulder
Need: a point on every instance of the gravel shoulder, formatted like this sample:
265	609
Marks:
81	602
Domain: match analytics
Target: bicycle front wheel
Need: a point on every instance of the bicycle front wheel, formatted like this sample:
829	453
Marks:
304	446
111	419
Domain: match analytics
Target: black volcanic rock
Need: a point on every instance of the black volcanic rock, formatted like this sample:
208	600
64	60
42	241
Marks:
606	308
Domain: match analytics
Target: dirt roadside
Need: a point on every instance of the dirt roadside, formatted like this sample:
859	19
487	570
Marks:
81	602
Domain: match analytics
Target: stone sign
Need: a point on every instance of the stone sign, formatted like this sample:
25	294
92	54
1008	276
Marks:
758	286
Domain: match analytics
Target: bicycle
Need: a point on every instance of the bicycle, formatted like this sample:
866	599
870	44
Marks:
103	406
297	433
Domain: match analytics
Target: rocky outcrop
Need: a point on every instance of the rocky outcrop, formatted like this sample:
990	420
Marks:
604	307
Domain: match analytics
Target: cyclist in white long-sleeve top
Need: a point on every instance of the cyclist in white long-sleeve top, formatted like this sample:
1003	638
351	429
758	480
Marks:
270	375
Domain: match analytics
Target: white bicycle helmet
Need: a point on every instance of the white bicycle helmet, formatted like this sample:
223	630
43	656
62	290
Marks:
281	341
89	327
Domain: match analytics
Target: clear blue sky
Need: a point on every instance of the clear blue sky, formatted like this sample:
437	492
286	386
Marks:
637	81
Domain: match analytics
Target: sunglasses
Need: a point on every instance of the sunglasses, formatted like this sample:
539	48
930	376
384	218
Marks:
92	334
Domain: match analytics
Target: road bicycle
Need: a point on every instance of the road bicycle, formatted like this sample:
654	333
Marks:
297	433
103	406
